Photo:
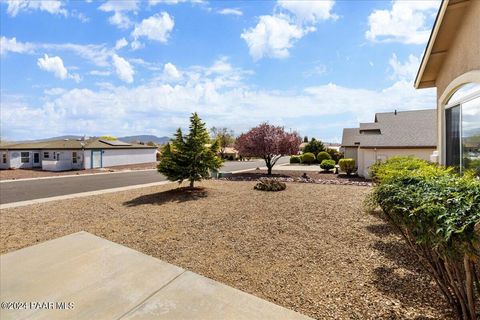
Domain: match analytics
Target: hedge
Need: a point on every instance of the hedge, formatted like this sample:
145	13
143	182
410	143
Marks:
438	214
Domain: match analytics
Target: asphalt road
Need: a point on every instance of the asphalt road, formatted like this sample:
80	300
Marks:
14	191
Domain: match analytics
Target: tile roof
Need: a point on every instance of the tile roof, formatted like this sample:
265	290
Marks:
402	129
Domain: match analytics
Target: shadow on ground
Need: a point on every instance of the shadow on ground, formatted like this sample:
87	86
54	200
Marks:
177	195
407	281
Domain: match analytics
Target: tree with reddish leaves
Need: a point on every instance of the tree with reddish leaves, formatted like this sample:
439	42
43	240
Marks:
268	142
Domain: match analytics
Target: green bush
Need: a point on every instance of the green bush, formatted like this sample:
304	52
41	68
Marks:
437	212
308	158
295	159
270	185
323	156
347	165
327	165
314	146
336	155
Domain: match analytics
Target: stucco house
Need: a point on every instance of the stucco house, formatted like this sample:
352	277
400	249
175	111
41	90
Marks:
451	64
404	133
63	155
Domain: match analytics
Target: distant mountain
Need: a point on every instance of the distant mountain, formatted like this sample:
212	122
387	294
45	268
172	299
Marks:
145	138
139	138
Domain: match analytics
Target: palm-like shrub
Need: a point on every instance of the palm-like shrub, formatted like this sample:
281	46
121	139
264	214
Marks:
347	165
327	165
323	156
308	158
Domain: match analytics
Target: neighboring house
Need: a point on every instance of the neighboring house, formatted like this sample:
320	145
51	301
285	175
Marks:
451	64
63	155
405	133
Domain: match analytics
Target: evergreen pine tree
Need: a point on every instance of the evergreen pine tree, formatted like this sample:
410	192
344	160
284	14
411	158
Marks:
188	157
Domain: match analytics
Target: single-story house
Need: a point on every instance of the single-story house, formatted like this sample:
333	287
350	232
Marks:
60	155
404	133
451	64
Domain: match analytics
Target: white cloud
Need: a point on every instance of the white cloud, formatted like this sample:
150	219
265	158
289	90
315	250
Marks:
272	37
217	92
404	71
14	7
155	2
120	20
406	22
171	72
231	11
275	34
100	73
119	9
309	11
121	43
54	65
119	5
123	68
156	27
97	54
11	45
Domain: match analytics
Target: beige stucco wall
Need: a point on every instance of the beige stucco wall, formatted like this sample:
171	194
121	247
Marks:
367	157
463	56
351	152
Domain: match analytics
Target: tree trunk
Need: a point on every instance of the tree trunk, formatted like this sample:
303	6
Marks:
191	183
269	172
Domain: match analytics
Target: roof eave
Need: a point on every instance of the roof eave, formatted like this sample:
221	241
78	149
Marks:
419	84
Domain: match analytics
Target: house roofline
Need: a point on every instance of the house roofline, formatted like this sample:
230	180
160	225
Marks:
430	43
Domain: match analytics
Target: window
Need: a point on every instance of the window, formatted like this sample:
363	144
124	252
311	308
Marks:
25	157
74	157
46	155
462	129
4	157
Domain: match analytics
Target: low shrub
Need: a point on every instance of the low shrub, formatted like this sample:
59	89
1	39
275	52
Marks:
323	156
270	185
438	214
308	158
327	165
295	159
336	155
347	165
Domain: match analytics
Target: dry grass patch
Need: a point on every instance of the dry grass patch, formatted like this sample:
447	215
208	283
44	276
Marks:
309	248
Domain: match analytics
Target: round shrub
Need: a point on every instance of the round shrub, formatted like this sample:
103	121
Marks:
327	165
295	159
347	165
323	156
270	185
308	158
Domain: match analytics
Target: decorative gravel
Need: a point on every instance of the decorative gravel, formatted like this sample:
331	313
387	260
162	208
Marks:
301	177
310	247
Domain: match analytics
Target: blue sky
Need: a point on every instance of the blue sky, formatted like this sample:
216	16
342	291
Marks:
141	67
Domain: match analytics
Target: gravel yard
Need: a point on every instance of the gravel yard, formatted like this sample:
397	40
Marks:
310	248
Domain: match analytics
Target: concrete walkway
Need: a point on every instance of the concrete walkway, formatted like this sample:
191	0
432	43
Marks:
81	276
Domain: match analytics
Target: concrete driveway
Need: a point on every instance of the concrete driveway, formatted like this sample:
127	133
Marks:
15	191
81	276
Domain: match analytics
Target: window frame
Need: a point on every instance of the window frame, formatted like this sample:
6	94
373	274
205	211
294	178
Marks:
74	157
4	157
452	104
22	157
